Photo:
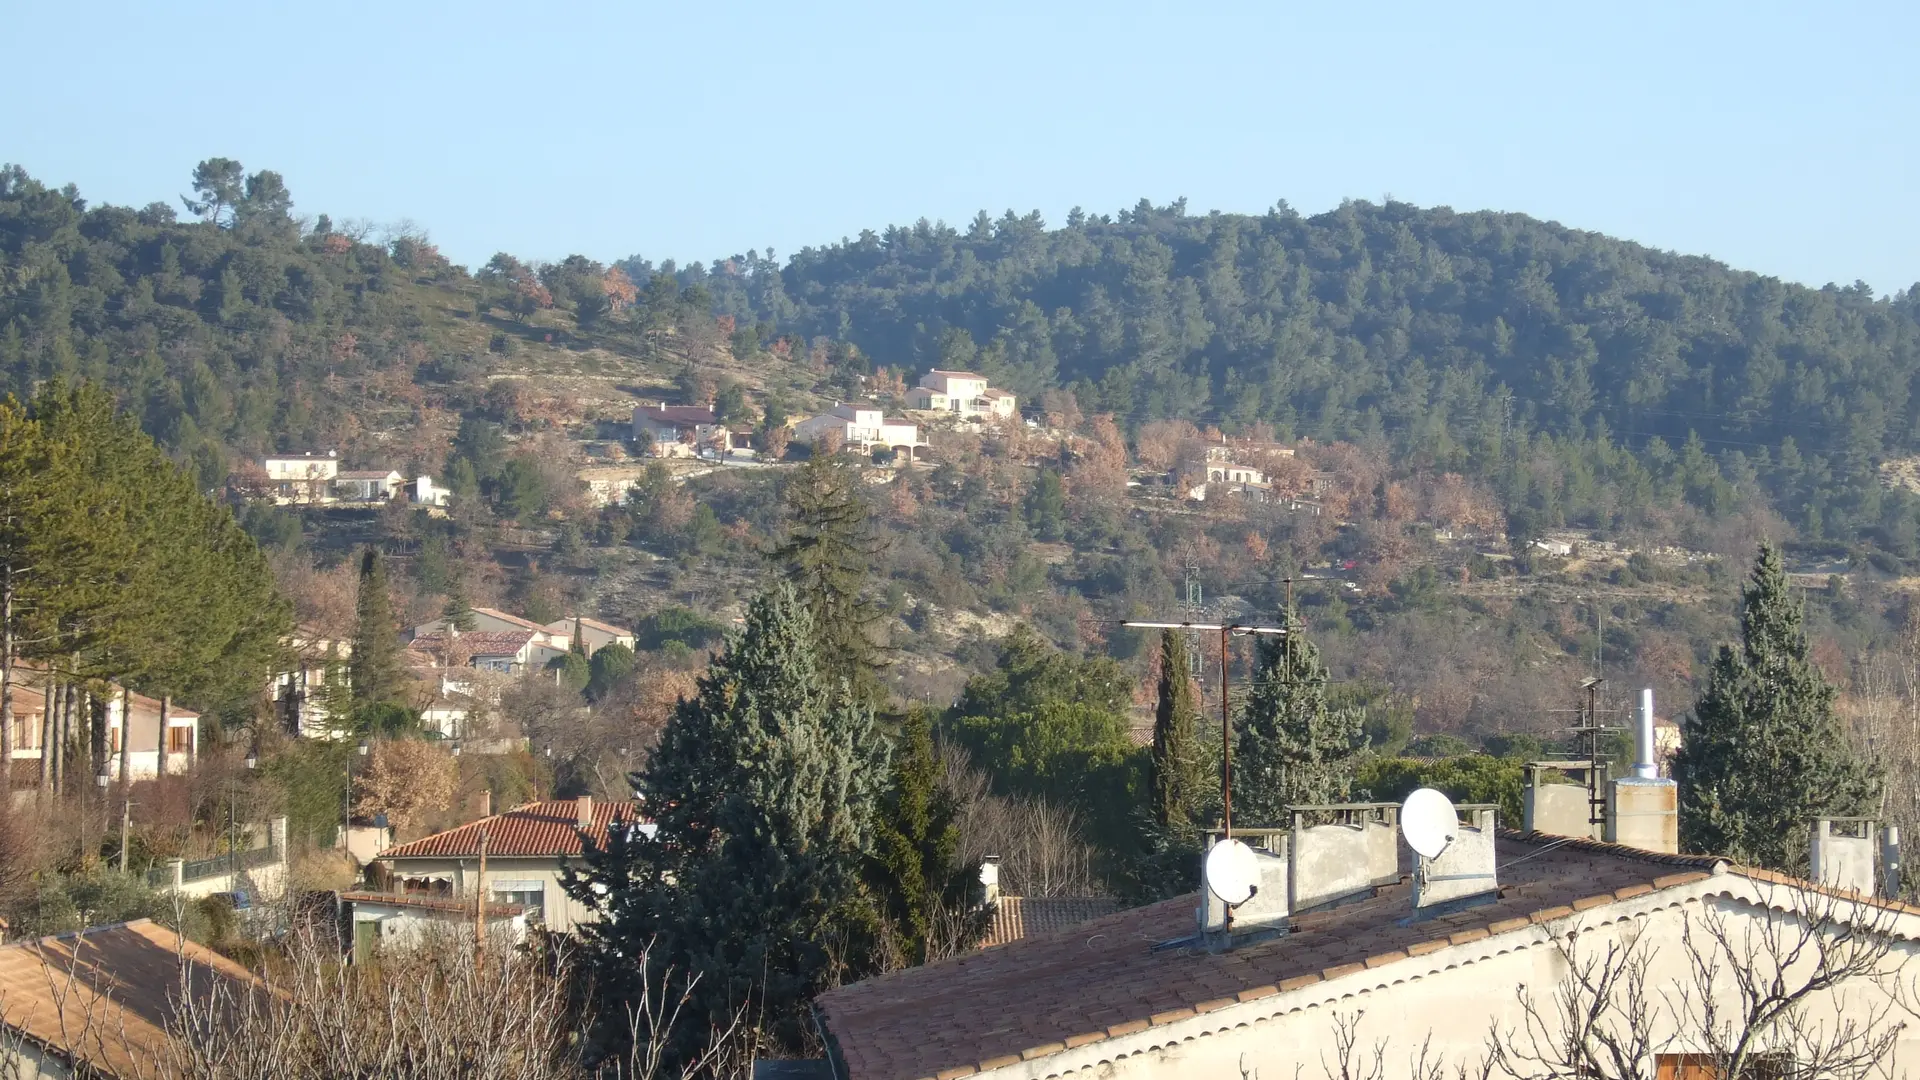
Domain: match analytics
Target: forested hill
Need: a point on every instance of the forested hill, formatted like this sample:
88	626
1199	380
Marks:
1445	332
1579	376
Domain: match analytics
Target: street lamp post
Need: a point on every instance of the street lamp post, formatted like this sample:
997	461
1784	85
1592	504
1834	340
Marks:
233	831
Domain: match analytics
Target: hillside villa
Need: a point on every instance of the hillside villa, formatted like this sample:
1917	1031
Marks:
861	427
962	393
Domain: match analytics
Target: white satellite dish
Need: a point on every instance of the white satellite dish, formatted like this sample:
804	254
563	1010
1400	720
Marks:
1232	872
1428	821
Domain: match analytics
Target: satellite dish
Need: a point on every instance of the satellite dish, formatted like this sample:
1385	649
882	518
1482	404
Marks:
1232	872
1428	821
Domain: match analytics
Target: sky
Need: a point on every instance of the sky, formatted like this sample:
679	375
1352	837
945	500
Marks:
1774	137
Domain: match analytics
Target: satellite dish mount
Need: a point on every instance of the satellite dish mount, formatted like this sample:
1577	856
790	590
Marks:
1429	822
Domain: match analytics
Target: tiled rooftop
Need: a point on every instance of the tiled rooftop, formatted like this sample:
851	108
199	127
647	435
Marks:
541	829
1017	917
1075	986
477	642
125	982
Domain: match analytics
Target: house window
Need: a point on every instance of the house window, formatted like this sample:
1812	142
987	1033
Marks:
1703	1067
26	731
179	740
531	895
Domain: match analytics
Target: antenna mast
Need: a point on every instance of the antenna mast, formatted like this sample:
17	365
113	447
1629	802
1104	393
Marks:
1227	631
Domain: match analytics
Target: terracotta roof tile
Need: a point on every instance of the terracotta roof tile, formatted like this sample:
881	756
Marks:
127	979
965	1012
536	830
1016	917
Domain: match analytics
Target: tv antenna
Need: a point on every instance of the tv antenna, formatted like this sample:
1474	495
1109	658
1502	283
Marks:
1227	632
1429	822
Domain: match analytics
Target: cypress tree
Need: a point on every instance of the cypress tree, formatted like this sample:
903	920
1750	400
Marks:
373	670
1178	768
928	899
1290	749
763	791
1762	752
825	555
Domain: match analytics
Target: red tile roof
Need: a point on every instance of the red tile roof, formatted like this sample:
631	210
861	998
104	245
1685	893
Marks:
122	998
477	642
536	830
1017	917
1077	985
677	415
507	616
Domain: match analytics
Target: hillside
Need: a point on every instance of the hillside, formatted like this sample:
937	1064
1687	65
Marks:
1456	386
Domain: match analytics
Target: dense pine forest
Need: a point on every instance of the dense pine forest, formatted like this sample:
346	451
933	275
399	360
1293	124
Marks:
1470	342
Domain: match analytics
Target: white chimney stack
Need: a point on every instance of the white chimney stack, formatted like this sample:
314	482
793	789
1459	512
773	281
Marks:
990	879
583	811
1646	764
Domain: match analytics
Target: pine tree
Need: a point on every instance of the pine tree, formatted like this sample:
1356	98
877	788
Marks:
1762	753
928	899
763	790
1290	749
826	554
1178	775
458	610
373	669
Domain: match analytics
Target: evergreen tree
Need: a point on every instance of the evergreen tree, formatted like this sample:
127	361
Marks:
1762	753
1290	749
928	898
763	791
458	610
826	555
1178	776
373	670
609	665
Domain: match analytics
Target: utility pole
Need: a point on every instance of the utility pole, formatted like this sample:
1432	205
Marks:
126	824
480	900
1226	631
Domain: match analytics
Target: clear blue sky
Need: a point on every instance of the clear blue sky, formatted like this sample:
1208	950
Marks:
1776	137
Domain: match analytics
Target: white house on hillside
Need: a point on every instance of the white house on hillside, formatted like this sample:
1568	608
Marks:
368	485
594	634
962	392
682	430
300	479
141	737
861	427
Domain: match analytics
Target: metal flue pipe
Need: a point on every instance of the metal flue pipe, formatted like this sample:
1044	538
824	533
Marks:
1646	764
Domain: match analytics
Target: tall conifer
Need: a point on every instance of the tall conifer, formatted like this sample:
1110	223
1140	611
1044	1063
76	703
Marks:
1290	749
373	669
1762	752
763	790
826	554
1179	763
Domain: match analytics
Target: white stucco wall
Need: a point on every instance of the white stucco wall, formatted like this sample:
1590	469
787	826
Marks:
560	912
1447	999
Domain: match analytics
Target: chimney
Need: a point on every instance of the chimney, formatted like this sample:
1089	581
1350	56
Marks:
1462	875
1890	862
486	803
990	879
1643	810
1267	909
1343	859
1843	850
583	811
1646	763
